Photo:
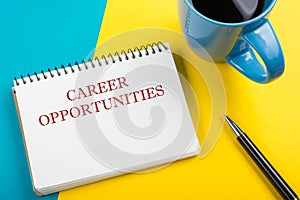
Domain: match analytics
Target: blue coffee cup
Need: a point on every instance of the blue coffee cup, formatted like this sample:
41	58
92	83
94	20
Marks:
235	43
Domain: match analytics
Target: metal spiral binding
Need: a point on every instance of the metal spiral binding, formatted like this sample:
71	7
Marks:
113	58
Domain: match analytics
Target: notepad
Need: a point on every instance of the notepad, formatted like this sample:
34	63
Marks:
105	117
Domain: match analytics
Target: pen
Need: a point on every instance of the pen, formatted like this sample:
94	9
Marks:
277	181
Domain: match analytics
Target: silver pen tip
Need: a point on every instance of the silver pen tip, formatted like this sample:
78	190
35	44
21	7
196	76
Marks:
233	126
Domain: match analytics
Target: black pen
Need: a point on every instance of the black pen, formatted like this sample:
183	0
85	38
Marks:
277	181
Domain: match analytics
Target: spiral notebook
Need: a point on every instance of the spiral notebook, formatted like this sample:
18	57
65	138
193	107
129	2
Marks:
102	118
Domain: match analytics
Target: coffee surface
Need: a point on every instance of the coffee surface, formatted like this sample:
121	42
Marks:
229	11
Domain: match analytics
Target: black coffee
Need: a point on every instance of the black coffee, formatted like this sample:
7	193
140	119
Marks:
229	11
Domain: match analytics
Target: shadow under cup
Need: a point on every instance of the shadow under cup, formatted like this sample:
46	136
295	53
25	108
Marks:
235	43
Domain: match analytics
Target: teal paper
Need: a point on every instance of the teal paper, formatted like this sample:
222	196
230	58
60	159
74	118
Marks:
36	35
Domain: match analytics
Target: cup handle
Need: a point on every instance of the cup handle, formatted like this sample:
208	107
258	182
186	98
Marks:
264	41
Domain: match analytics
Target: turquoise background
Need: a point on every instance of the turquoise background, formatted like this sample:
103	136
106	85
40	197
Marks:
36	35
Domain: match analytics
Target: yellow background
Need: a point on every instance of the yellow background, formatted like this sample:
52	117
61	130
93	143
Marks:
269	113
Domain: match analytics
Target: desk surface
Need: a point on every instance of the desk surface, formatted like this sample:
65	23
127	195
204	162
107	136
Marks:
268	113
36	35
